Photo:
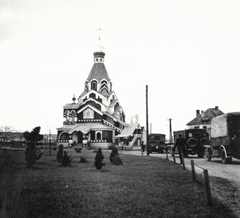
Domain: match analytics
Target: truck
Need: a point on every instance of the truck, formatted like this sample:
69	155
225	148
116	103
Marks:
196	139
156	142
224	137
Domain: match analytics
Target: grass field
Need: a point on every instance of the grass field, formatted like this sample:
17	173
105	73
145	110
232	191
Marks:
143	187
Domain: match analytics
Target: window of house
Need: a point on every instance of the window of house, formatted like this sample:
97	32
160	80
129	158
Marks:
94	85
86	86
92	95
99	136
64	136
73	115
67	115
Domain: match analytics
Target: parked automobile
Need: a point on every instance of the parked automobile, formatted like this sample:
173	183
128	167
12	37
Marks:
224	137
196	139
156	142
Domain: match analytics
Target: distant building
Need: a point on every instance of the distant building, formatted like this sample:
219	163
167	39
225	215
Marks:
203	119
97	117
12	137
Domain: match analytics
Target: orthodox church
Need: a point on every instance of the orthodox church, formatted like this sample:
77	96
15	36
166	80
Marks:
97	116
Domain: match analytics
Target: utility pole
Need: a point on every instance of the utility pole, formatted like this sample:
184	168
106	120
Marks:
50	144
147	120
170	131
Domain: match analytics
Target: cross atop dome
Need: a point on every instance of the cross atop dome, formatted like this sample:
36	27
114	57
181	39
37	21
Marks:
99	52
99	29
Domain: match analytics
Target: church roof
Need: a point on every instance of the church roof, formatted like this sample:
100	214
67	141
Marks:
205	117
128	130
98	72
83	127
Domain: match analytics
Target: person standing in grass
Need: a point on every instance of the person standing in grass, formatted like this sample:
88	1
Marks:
181	145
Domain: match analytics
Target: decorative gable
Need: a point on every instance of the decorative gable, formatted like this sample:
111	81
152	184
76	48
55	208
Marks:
88	114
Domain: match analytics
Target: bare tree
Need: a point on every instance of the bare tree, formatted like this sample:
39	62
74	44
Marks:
9	135
134	119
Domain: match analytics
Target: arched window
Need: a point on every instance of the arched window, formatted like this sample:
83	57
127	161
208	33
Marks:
86	86
116	106
94	85
73	116
64	136
67	115
98	136
92	95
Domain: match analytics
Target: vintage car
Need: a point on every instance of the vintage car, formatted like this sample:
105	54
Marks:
224	137
156	142
196	139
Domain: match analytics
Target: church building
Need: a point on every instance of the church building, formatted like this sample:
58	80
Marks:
96	115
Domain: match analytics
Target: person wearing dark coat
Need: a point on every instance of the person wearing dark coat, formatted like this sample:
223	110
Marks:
181	145
99	159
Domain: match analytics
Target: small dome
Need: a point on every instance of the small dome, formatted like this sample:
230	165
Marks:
100	49
99	53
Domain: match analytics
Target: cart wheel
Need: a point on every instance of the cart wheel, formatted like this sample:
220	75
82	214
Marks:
208	158
229	160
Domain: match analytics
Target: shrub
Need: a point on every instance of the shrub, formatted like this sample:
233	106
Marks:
63	158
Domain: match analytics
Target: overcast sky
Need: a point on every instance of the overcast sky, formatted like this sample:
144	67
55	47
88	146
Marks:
187	52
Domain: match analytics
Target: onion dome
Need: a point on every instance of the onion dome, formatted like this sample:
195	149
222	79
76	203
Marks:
73	98
99	54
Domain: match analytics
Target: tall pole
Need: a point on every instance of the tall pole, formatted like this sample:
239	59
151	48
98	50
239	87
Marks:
170	131
50	138
147	120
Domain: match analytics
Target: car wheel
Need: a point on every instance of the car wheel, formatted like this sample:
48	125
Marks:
229	160
200	155
207	156
223	157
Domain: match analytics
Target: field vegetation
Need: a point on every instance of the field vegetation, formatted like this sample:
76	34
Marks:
143	187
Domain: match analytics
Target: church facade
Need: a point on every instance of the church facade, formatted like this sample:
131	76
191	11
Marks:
97	116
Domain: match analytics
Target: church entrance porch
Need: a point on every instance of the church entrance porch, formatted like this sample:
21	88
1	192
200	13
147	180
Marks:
77	137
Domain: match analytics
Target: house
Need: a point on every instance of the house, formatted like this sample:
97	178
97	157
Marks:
203	119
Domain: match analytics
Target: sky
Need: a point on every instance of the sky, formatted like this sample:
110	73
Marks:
186	52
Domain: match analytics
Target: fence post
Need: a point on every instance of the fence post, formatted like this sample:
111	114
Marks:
208	189
193	170
166	150
182	159
174	159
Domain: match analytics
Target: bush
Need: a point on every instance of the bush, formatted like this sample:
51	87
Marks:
63	158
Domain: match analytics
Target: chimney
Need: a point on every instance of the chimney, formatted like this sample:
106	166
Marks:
197	112
216	107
